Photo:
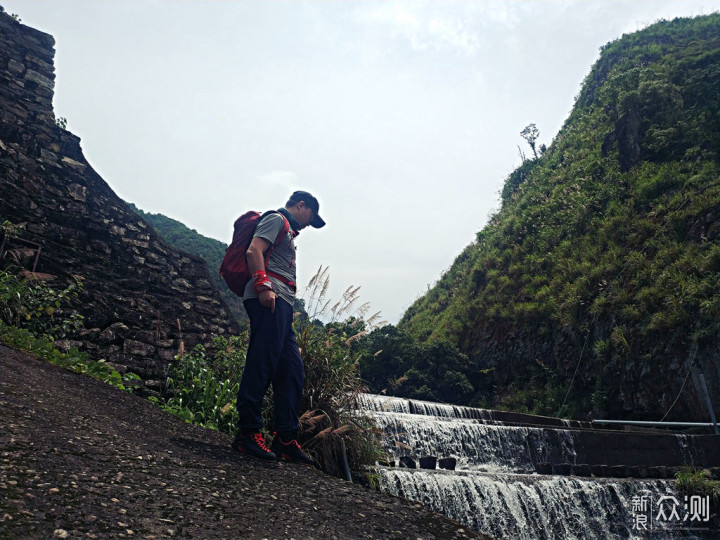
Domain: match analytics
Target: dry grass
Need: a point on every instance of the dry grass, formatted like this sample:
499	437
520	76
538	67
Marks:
330	425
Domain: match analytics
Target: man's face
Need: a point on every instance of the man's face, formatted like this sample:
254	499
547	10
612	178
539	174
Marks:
305	215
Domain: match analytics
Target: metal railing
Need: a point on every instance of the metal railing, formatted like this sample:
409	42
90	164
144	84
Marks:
650	423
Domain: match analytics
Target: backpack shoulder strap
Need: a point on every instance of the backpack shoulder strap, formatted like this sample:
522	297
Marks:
283	230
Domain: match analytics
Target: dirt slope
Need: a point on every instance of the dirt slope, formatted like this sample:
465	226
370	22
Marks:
81	459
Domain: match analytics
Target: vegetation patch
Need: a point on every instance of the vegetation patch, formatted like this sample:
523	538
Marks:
692	481
33	315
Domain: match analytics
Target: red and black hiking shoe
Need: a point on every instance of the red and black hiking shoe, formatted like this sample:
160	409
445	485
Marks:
253	444
290	451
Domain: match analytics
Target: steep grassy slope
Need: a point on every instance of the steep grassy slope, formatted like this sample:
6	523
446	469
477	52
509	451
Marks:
596	288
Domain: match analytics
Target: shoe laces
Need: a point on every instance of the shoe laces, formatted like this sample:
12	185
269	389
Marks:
294	442
279	439
289	443
258	438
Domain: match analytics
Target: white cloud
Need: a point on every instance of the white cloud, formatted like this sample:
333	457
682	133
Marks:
436	26
286	180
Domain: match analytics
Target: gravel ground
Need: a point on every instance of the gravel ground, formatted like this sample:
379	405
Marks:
81	459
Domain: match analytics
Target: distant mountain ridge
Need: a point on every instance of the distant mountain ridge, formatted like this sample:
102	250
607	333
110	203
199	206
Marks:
595	290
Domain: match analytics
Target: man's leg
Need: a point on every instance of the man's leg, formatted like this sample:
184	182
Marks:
263	355
288	385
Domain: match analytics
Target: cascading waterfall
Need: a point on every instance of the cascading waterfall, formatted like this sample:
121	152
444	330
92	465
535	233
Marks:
494	488
474	445
527	506
371	402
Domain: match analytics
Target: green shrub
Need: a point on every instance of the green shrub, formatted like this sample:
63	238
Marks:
691	481
12	291
392	359
202	385
37	306
33	315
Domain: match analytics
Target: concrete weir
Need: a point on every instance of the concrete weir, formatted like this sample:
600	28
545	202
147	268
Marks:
525	476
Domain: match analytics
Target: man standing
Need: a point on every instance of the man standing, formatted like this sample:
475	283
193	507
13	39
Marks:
273	356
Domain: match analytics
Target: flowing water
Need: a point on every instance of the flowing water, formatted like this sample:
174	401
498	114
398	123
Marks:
495	489
474	445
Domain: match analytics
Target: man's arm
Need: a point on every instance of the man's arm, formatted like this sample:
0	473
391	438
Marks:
256	261
256	254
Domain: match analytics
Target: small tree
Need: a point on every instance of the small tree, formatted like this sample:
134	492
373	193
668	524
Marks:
530	134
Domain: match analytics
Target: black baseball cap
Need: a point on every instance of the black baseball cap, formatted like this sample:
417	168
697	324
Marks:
314	205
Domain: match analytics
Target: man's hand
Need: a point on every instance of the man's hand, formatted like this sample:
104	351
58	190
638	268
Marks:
256	262
267	299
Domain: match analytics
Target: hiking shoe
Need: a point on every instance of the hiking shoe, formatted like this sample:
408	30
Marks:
253	444
290	451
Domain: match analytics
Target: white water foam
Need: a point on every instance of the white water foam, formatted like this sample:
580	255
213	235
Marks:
529	506
474	444
374	402
494	489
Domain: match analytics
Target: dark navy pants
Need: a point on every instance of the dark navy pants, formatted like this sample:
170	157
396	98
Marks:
273	358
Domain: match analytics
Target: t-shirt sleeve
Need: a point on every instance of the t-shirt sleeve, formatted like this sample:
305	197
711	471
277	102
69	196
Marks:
269	227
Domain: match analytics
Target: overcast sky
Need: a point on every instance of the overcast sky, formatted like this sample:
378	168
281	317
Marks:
404	118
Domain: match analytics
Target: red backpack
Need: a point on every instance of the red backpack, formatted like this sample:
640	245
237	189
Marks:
234	269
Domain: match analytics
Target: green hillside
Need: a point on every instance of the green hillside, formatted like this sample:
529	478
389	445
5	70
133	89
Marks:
595	290
182	237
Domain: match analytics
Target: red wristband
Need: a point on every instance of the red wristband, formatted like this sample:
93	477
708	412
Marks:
262	282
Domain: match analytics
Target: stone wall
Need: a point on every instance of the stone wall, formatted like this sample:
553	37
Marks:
141	297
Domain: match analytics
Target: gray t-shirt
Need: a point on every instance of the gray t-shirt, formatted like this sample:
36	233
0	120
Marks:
282	257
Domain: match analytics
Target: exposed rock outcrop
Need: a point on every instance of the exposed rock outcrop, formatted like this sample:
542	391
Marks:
141	297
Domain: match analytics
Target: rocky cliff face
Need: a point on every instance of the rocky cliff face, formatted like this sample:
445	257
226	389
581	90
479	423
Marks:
141	297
